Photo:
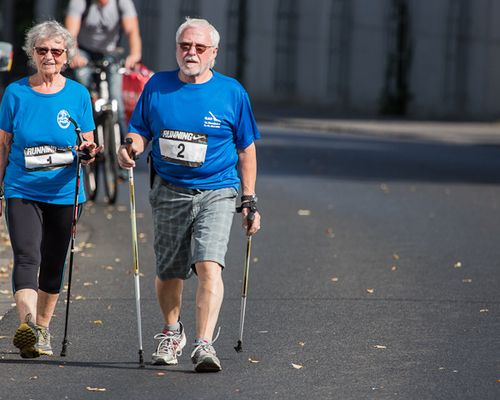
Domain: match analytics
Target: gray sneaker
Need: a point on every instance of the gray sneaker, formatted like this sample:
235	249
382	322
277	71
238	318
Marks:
205	359
43	341
25	339
169	347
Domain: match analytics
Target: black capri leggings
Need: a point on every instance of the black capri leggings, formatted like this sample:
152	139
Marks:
40	234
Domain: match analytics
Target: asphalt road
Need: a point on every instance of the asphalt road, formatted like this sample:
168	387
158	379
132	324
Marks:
375	276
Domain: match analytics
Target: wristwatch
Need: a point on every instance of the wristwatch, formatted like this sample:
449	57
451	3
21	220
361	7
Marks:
249	197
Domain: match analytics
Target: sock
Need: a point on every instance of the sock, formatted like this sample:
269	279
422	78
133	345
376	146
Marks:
200	341
172	327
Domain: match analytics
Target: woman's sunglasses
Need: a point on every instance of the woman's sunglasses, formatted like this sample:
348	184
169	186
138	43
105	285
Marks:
41	51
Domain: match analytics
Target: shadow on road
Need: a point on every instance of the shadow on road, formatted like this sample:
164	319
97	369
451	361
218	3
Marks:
380	158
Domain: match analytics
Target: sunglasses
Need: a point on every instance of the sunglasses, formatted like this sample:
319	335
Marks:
41	51
200	48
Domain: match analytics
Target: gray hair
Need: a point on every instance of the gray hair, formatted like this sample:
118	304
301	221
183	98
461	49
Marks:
48	30
199	23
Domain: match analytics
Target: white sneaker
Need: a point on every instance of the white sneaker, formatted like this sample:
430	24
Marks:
169	347
205	359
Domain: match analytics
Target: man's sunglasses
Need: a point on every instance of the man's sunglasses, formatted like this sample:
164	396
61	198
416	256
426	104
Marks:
200	48
41	51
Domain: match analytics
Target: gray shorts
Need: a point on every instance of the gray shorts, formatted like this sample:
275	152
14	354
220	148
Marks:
189	226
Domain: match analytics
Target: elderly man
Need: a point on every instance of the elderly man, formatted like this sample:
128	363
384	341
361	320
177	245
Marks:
202	131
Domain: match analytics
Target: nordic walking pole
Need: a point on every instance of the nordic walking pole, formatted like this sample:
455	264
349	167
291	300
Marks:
79	156
244	290
135	251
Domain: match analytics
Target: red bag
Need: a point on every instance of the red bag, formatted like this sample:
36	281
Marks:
132	85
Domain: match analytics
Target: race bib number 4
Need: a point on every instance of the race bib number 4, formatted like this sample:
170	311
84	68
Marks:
185	148
47	157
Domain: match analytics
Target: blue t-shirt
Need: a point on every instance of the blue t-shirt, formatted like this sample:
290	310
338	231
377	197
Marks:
195	129
42	159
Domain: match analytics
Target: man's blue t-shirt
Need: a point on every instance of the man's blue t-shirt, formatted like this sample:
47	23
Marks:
42	159
195	129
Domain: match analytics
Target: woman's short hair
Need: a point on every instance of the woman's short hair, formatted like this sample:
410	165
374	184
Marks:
45	31
199	23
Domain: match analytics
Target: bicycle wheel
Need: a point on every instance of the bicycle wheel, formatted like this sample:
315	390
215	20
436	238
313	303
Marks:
111	143
90	177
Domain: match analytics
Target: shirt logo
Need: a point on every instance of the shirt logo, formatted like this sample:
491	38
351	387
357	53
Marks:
63	119
211	121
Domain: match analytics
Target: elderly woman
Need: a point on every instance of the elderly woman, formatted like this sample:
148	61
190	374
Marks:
38	145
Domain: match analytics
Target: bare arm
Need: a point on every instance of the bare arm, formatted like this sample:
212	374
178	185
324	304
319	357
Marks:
131	28
73	24
247	163
5	144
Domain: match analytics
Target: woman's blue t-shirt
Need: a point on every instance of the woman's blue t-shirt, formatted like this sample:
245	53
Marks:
195	129
42	160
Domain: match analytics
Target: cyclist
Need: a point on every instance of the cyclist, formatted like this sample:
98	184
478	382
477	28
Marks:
96	24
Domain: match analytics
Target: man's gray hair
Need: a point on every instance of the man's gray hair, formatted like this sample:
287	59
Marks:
46	31
199	23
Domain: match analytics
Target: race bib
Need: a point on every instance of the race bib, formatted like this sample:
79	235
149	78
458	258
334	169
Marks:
185	148
47	157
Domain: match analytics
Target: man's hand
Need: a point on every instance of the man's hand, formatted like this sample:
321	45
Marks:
253	225
131	61
79	61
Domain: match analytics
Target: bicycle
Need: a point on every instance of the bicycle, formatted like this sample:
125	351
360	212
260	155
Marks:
107	132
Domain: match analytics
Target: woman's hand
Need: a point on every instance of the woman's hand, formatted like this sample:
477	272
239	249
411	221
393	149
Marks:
91	149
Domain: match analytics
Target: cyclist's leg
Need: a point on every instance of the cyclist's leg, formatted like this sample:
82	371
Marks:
84	74
115	88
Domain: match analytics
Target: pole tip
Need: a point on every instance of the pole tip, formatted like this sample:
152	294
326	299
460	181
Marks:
238	347
141	359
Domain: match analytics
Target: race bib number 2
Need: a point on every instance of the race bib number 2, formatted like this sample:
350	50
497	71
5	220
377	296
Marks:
185	148
47	157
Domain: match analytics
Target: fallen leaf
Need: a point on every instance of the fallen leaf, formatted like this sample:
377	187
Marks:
253	361
32	378
370	290
329	232
297	366
335	279
263	331
458	264
87	284
98	322
160	374
79	297
482	310
117	260
394	268
95	389
302	344
384	188
61	366
380	346
304	213
3	337
4	291
395	256
255	259
467	280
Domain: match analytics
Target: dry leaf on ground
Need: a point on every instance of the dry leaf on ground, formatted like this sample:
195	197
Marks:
297	366
95	389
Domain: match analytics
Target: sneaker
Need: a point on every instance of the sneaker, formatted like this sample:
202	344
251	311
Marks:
43	341
25	339
169	347
205	359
